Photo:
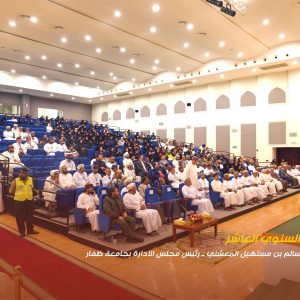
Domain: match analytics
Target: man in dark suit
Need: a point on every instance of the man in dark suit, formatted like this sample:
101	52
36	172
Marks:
141	167
114	207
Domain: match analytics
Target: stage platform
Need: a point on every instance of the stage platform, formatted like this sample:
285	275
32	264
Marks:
115	241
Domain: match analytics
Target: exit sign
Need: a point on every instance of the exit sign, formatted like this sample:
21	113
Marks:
234	147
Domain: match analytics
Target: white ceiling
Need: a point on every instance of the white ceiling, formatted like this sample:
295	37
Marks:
243	33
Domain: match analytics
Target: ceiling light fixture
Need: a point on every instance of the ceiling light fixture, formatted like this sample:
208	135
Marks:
98	50
132	61
33	19
20	90
64	39
88	38
12	23
90	100
207	54
266	22
76	83
186	45
281	36
154	68
92	72
155	7
44	77
111	74
43	57
240	54
115	78
178	69
51	95
153	29
59	65
13	71
156	61
117	13
123	49
190	26
221	44
254	70
27	57
73	98
77	66
133	79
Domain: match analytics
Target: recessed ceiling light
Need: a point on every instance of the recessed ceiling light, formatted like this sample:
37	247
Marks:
240	54
133	79
12	23
132	61
222	44
98	87
149	89
266	22
189	26
98	50
254	70
194	81
27	57
130	93
101	98
115	96
73	98
171	85
154	68
76	83
43	57
59	65
222	75
186	45
51	95
207	54
156	61
115	78
117	13
88	38
13	71
178	69
90	100
64	39
111	74
295	62
281	36
20	90
77	66
92	72
44	77
123	49
33	19
155	7
153	29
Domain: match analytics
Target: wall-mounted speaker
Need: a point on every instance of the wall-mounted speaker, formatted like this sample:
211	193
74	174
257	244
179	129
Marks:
189	104
136	110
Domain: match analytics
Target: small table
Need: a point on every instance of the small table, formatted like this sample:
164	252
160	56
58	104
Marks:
197	226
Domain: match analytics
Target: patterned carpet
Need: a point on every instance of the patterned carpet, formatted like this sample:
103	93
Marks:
207	248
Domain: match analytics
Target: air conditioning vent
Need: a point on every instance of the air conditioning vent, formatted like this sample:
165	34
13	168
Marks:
123	94
182	83
274	67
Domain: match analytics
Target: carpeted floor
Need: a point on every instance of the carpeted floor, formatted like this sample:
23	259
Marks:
205	243
56	275
289	228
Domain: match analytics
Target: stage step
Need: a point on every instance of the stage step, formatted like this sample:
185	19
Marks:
260	292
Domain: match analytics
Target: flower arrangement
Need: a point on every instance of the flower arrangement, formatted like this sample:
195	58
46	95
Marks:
195	218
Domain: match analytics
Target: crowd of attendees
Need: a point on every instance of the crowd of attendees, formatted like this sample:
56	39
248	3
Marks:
124	158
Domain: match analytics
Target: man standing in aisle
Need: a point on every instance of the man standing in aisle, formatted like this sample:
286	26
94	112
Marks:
22	189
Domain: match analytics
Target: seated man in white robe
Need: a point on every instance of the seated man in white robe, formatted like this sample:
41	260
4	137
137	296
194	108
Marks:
13	157
203	184
292	173
150	217
250	192
61	146
51	147
88	201
30	144
19	147
191	192
229	196
228	184
95	178
66	179
129	172
50	189
8	134
268	180
263	191
80	177
173	178
69	163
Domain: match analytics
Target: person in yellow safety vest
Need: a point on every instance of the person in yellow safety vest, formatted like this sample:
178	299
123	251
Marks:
23	190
